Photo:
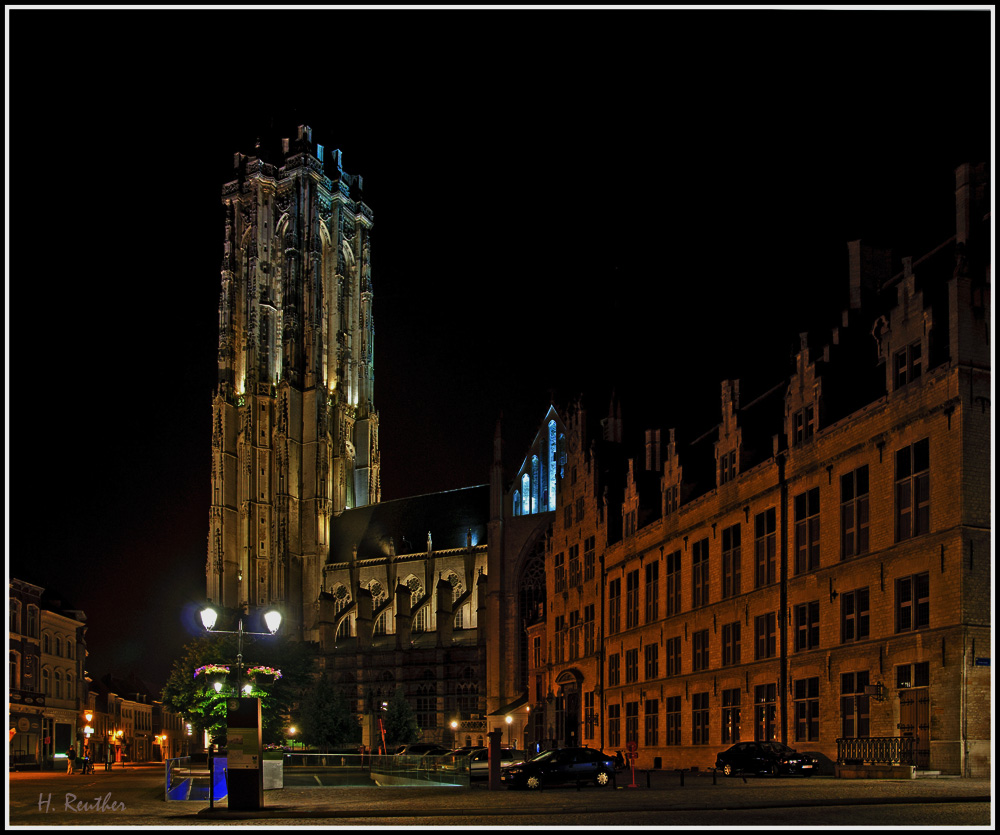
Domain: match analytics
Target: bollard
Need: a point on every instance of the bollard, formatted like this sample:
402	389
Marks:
647	779
681	770
715	773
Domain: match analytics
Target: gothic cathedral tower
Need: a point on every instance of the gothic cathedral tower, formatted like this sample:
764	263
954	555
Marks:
294	429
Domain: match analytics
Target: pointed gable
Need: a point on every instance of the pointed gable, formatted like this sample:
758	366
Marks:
804	400
727	448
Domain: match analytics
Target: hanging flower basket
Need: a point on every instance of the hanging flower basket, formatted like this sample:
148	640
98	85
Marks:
264	675
212	670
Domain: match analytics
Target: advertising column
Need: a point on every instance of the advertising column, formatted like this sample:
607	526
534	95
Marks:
243	743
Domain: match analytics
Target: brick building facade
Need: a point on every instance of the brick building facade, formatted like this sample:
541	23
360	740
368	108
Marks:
830	580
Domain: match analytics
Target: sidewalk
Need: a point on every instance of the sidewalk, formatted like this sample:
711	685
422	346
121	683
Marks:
664	792
135	798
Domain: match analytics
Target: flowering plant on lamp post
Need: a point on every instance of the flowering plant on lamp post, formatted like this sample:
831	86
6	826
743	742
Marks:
263	674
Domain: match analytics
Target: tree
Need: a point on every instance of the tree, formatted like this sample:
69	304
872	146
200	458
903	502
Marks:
194	697
400	722
326	717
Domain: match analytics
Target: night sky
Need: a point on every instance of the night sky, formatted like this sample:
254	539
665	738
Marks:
565	202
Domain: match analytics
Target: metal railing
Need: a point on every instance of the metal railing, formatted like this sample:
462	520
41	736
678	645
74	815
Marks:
186	778
876	750
447	769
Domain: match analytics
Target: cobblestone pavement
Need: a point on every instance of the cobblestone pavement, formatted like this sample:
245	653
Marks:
135	798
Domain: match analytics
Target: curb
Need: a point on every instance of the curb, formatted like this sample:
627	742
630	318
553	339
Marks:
326	812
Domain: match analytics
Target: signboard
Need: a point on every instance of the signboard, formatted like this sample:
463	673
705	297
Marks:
244	767
243	736
241	745
982	662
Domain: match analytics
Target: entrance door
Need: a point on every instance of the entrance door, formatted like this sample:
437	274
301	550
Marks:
915	721
571	731
568	707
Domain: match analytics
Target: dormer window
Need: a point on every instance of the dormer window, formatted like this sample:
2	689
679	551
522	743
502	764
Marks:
727	467
804	424
906	364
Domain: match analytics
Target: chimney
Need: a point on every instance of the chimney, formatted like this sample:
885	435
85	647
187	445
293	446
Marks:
870	266
653	459
970	191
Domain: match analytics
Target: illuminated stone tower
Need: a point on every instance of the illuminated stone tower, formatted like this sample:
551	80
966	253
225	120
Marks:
294	429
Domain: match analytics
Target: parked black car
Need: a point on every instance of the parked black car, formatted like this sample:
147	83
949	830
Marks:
770	758
562	765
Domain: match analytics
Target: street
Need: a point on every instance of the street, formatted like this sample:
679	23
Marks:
135	798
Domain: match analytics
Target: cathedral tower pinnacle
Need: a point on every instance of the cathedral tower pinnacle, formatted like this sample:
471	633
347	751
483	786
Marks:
294	428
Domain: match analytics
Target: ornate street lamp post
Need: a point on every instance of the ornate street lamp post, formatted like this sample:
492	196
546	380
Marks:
243	723
272	619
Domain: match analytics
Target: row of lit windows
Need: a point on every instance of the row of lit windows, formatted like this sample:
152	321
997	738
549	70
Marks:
577	572
911	612
854	705
57	684
55	646
912	518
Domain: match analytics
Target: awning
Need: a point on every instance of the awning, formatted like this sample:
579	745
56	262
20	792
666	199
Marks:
520	701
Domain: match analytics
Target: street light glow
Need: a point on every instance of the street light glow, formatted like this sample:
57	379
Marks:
208	617
273	620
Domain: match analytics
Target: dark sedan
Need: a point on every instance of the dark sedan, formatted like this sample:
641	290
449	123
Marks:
770	758
562	765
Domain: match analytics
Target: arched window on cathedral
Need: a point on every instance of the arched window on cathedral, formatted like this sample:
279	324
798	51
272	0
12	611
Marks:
456	592
341	600
517	502
58	691
416	593
552	465
344	630
534	484
525	494
378	598
46	681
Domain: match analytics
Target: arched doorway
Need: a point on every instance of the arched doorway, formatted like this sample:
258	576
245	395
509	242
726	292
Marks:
568	687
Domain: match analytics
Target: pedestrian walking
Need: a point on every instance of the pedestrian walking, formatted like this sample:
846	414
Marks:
86	760
70	760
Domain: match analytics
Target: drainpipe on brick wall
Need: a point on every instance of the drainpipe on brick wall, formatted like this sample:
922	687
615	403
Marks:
965	769
603	708
783	603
